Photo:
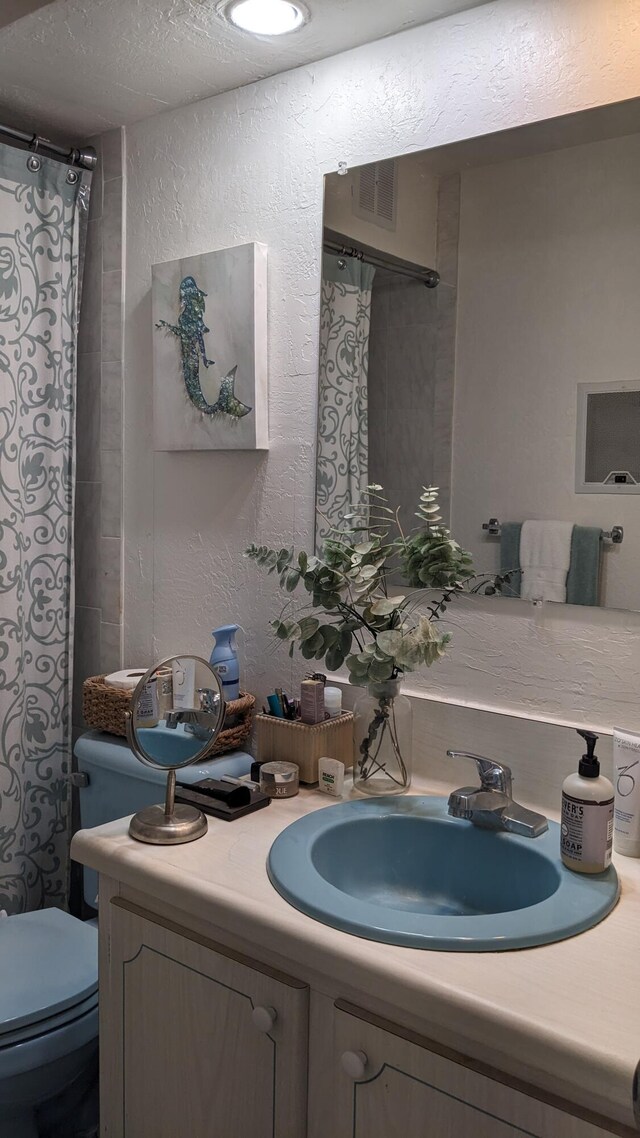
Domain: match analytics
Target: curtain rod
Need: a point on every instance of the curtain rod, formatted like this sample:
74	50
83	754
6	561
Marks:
429	277
85	157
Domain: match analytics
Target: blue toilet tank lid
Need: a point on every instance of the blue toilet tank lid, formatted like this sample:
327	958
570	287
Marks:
48	962
110	752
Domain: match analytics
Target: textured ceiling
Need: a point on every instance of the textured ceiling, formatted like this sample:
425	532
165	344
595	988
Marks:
78	67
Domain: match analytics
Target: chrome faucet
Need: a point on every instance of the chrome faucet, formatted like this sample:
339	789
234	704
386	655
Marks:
199	721
491	805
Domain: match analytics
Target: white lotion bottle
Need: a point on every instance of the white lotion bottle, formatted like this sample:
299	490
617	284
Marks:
184	682
587	815
626	807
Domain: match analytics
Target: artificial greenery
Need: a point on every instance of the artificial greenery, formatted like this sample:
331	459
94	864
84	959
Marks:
361	622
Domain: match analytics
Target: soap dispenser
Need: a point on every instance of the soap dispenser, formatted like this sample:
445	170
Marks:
587	814
224	660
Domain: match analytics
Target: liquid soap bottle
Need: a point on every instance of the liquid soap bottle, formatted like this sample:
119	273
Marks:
224	660
587	815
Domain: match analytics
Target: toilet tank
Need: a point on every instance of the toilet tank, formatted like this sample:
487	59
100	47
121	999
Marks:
118	784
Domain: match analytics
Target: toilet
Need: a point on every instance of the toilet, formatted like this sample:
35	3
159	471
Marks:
49	959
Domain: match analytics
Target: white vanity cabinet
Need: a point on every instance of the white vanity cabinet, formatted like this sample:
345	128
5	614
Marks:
389	1085
196	1042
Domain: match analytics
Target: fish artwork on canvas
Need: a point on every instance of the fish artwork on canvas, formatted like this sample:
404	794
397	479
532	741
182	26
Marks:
190	331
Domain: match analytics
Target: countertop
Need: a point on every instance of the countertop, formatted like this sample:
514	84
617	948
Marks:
564	1016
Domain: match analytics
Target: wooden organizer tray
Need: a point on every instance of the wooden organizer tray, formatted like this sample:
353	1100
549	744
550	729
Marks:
292	741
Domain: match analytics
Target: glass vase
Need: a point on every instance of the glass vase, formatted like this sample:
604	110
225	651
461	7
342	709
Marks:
382	733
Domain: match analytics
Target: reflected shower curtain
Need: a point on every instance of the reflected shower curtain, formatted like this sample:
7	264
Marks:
42	227
343	449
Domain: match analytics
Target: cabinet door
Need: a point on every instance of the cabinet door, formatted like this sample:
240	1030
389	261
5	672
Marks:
388	1085
199	1044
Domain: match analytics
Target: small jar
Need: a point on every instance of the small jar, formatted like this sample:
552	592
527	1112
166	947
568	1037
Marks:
279	780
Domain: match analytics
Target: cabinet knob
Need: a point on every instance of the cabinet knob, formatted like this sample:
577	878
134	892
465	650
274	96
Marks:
264	1018
354	1063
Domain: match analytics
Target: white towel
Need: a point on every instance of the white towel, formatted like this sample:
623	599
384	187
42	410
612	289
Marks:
545	556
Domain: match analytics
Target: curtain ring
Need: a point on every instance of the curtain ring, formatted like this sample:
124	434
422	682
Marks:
33	162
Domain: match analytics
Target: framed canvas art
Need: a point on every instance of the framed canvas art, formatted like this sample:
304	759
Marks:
210	351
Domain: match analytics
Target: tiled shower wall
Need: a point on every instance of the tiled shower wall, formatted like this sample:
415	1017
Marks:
98	518
412	372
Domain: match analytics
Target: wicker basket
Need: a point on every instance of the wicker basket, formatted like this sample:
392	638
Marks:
305	743
104	709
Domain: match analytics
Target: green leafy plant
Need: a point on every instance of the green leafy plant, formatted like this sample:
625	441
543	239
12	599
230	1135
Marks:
357	618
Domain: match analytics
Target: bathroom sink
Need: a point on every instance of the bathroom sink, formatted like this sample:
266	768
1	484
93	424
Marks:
400	870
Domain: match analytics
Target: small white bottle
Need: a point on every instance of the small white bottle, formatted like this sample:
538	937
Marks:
333	701
587	815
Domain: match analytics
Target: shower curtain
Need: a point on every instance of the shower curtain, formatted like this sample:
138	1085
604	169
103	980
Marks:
42	227
343	449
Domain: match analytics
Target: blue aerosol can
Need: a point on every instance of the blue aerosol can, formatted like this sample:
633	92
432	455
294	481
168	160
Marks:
224	660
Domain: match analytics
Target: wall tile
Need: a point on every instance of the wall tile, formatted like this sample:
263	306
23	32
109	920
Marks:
98	520
444	395
112	142
87	537
111	493
86	655
378	449
90	327
111	413
448	228
410	366
112	316
95	201
410	302
112	226
88	418
110	579
110	648
380	300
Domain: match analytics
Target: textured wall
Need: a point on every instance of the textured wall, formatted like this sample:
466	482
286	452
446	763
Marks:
248	165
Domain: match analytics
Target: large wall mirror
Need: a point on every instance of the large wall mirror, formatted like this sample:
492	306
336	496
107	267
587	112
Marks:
480	331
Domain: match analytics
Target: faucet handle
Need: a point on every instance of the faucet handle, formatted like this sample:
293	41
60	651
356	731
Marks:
493	776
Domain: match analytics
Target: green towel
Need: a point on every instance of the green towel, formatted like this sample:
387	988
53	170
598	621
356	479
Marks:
510	557
583	578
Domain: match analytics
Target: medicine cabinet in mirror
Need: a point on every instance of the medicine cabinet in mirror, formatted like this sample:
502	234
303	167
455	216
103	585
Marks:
480	332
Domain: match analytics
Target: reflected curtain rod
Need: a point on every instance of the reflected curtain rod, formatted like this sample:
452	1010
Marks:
85	157
429	277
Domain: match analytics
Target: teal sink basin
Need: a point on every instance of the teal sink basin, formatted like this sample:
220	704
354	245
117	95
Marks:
400	870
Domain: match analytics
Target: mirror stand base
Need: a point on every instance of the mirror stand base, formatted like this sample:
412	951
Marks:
154	826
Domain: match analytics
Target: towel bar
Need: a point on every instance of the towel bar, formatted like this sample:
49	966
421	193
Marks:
613	536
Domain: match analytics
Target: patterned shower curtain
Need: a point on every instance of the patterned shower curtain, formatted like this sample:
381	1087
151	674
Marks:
343	448
42	228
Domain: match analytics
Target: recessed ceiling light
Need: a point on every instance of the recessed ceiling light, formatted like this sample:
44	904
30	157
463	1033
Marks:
266	17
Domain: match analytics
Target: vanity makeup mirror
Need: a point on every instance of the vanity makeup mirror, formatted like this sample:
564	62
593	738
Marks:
480	332
177	711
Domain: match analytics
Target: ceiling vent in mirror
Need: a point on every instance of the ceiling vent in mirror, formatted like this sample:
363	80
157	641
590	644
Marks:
375	193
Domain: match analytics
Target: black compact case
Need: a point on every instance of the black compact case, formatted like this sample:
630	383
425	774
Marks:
221	799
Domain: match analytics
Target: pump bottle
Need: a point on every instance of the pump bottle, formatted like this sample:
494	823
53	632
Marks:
587	815
224	660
